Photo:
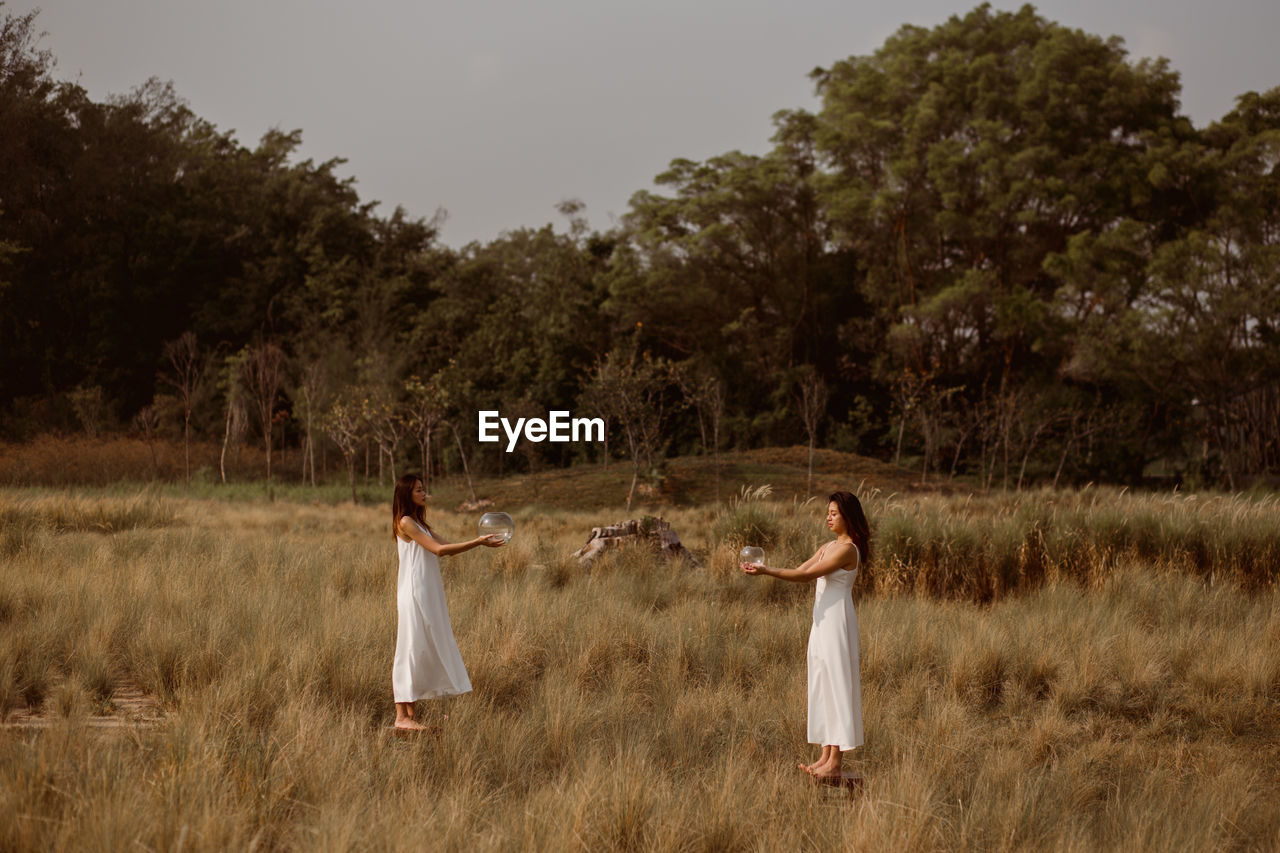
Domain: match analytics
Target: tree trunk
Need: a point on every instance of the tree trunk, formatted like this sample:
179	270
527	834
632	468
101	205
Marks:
465	467
426	474
1031	446
716	432
809	488
635	476
222	458
650	531
1066	448
928	444
902	425
309	458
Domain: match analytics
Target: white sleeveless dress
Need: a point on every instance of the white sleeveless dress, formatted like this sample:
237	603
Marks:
427	663
835	691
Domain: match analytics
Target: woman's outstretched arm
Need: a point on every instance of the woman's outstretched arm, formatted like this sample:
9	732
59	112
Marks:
837	555
412	530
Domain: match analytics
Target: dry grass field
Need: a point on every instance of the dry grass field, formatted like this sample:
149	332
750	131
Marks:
1052	671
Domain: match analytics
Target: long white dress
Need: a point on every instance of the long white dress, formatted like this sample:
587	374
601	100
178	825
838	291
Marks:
835	691
427	663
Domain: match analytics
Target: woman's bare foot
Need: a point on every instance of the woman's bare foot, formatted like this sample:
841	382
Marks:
827	770
825	758
410	724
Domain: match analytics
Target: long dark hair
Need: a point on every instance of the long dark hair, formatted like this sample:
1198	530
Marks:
402	504
855	521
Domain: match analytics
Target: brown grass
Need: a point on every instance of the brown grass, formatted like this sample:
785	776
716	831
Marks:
636	705
61	461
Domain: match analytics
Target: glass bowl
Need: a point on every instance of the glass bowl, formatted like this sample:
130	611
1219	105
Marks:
497	522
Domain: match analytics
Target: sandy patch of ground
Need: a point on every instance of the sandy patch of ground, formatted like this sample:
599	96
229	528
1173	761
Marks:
130	707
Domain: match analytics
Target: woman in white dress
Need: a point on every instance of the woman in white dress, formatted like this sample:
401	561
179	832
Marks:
427	663
835	694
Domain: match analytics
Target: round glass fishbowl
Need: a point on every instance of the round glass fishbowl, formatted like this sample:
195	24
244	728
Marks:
497	522
752	556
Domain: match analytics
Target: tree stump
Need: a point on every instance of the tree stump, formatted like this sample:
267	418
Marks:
653	532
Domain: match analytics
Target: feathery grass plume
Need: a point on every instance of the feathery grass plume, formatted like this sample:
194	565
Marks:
748	520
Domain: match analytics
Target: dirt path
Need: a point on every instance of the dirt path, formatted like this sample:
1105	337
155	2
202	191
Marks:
131	707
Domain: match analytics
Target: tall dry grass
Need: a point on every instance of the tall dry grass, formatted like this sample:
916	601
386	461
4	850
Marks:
982	548
635	705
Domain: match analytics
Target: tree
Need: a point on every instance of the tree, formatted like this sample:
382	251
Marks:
725	270
959	160
345	425
424	411
312	389
235	410
518	317
1189	325
90	408
813	406
146	422
705	392
386	426
632	389
184	357
263	375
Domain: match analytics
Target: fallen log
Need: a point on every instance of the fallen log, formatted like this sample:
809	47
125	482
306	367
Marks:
650	531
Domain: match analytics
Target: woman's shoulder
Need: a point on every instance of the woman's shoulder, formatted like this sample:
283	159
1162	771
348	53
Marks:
408	525
845	552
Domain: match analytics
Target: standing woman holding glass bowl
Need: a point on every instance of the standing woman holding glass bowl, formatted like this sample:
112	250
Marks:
835	691
427	663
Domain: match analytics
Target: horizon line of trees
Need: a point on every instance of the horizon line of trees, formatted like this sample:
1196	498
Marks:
997	250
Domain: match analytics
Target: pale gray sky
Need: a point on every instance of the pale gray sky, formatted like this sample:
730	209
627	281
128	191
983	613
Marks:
497	110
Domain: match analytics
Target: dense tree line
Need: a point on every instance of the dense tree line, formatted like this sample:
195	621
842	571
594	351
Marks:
998	249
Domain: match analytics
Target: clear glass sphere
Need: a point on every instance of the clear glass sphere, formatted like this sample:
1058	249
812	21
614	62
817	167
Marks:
497	522
752	556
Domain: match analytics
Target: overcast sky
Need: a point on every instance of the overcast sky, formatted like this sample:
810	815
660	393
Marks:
497	111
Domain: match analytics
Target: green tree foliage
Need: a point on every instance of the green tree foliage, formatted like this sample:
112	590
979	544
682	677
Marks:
962	157
997	244
516	318
1191	324
732	271
125	224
